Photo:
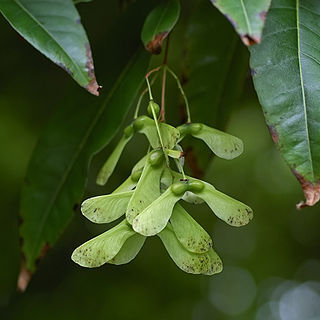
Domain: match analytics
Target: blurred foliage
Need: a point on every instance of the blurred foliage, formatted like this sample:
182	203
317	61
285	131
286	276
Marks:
268	264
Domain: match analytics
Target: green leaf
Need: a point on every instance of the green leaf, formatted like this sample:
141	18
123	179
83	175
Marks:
286	71
222	144
147	190
226	208
214	73
101	249
197	263
246	16
58	170
129	250
106	208
53	27
192	236
109	166
158	25
170	135
155	217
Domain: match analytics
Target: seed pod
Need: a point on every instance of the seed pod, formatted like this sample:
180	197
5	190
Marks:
129	250
135	176
155	107
147	126
104	247
148	188
156	158
109	166
226	208
155	217
191	235
107	208
179	188
207	263
196	186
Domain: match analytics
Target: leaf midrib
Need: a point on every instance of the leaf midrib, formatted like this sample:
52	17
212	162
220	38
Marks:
302	89
246	17
160	20
19	4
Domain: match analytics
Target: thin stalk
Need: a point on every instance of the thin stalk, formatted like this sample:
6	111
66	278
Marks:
164	76
182	93
154	114
159	135
181	170
163	94
141	97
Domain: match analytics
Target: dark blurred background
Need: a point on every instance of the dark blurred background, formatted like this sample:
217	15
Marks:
271	266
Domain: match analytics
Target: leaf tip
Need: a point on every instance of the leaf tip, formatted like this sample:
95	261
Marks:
92	86
155	45
250	40
311	192
24	277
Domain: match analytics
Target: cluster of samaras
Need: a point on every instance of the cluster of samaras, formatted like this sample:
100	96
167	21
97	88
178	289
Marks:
150	200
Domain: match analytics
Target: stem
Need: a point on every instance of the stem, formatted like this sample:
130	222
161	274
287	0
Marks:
149	89
163	94
182	93
142	95
159	135
164	76
181	169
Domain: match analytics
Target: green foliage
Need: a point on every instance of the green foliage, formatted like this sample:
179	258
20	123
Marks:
284	69
246	16
160	21
55	30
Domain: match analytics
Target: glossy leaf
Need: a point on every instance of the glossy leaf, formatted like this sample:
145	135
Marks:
129	250
155	217
106	208
103	248
246	16
53	27
226	208
158	25
109	166
222	144
58	169
214	73
170	135
286	71
192	236
147	190
197	263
